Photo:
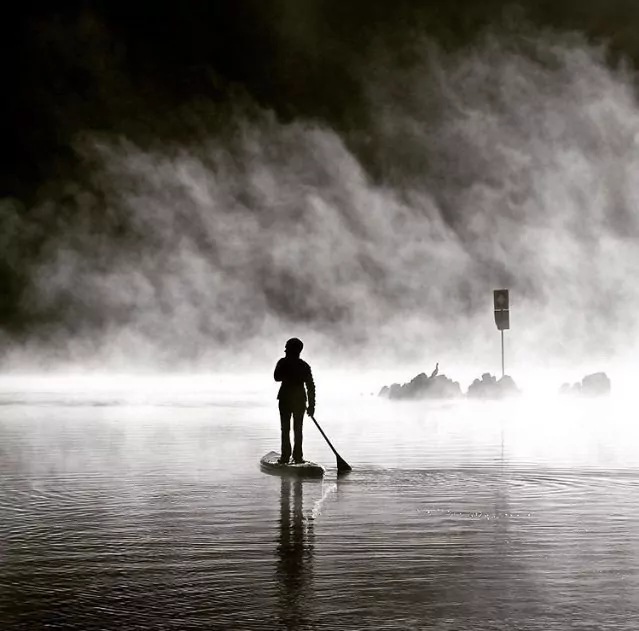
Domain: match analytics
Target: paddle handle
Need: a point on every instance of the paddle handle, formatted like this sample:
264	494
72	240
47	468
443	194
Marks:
323	434
342	465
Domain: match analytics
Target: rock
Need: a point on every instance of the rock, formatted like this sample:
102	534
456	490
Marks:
395	391
441	387
566	388
488	387
424	387
594	385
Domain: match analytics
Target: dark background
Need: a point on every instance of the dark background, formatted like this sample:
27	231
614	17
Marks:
115	65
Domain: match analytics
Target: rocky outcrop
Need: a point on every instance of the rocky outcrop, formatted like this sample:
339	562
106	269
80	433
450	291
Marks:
441	387
424	387
594	385
489	387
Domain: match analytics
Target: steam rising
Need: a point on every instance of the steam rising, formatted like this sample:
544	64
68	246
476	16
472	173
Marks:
510	163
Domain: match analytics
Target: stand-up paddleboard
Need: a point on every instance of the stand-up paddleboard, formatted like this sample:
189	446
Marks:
269	464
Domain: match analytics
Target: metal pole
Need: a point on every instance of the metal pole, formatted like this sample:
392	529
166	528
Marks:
502	353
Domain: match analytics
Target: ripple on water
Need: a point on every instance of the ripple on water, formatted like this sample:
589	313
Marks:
134	520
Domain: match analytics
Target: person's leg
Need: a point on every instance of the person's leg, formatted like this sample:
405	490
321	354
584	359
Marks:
298	419
285	425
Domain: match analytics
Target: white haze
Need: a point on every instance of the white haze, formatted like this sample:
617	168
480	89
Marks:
531	146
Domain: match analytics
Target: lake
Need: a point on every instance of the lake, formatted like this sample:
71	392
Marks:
138	503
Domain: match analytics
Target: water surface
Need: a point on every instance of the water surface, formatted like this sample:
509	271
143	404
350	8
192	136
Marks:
144	508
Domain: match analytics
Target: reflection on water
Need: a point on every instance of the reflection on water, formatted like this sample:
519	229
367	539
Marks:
147	515
294	556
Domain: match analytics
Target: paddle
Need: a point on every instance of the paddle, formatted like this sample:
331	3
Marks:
342	465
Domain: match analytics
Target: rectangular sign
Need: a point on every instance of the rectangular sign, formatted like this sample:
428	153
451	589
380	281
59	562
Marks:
502	313
500	298
502	319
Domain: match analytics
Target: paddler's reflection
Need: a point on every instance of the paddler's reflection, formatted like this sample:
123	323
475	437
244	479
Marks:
295	556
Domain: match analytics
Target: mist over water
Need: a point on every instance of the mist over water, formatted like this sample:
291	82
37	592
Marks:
507	163
139	504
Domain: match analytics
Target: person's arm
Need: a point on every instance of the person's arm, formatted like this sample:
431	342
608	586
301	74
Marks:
310	389
278	375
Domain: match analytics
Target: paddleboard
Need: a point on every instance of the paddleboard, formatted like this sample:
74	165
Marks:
269	464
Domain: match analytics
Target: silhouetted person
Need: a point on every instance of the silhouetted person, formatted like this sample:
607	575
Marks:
297	379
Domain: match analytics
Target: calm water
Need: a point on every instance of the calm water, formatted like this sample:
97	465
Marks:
143	507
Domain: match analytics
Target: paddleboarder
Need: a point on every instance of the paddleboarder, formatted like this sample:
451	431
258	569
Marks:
297	381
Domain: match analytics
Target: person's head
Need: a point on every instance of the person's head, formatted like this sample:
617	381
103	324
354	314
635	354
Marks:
293	347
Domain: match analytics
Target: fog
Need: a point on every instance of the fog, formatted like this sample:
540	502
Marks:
507	163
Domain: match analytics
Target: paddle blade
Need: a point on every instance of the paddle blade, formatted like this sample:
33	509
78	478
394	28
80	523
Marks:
342	465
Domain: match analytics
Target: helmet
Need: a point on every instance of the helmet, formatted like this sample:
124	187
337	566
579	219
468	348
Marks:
294	345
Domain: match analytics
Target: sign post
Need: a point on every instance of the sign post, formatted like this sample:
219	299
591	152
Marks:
502	317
